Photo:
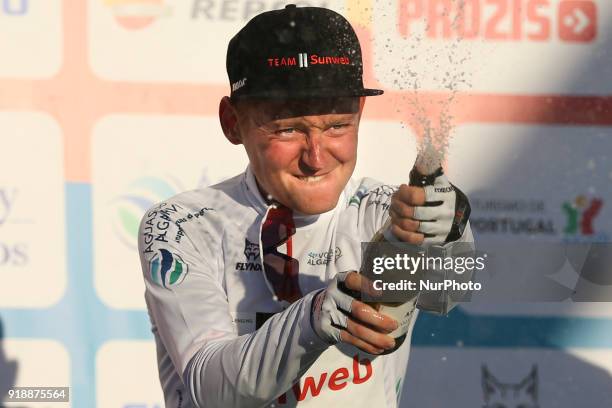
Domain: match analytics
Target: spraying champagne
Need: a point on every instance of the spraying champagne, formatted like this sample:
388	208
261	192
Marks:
442	219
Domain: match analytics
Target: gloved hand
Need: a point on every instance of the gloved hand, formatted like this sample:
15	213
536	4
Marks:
338	316
431	211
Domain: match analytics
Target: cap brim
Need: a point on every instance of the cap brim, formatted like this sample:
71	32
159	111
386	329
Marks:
309	93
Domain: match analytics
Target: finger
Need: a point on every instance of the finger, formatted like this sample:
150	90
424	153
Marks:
378	321
357	282
401	209
415	238
433	213
347	337
376	339
411	195
407	224
434	228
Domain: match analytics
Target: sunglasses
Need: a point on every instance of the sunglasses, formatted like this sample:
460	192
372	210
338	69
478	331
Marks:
281	271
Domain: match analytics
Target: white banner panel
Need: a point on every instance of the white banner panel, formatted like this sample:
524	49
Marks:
136	384
175	41
160	157
32	220
503	377
31	40
33	363
495	46
547	187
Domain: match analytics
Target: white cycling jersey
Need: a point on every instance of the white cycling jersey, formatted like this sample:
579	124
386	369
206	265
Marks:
222	338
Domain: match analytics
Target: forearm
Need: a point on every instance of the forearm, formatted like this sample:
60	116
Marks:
252	370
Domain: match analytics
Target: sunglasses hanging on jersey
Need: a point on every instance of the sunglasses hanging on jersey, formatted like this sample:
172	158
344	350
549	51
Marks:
280	270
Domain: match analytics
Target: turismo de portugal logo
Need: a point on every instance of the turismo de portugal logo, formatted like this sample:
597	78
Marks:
167	269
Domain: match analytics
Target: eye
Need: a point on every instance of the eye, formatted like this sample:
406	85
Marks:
337	126
285	131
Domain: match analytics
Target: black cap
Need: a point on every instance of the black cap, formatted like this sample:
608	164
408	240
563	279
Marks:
296	52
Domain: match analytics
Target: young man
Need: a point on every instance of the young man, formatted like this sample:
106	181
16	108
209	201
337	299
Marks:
246	281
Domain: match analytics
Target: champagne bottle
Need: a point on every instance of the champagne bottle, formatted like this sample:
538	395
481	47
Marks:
402	311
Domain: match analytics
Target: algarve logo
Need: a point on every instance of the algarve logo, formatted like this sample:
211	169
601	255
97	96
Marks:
167	269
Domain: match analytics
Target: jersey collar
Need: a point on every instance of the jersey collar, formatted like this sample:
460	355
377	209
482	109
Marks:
261	206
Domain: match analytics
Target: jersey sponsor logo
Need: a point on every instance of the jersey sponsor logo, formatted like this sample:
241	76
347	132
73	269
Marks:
310	387
167	269
157	223
358	196
325	257
381	196
251	252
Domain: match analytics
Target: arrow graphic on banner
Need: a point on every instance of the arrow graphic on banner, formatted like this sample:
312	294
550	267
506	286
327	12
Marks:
579	20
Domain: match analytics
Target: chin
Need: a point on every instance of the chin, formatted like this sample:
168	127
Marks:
314	208
316	203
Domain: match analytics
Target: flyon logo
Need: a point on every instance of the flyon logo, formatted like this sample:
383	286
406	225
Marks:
304	60
251	252
580	215
310	387
501	20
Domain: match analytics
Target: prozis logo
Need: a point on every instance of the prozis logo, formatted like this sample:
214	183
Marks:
577	21
310	387
580	215
501	20
137	14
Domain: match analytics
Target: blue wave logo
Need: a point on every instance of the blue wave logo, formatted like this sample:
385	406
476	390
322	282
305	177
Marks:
167	269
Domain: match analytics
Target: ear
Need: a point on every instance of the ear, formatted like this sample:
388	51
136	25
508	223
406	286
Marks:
228	117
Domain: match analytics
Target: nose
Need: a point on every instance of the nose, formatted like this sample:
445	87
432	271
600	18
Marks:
312	155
